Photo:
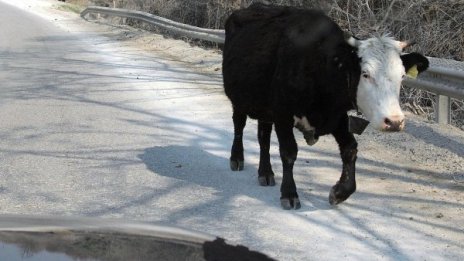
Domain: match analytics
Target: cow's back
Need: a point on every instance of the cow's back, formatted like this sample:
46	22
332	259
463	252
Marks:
257	38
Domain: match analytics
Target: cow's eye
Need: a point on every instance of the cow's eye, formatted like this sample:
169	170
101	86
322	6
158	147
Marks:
365	75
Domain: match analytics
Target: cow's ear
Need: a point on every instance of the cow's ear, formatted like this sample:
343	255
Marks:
417	59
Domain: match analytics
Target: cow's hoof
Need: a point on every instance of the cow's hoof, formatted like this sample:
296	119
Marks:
338	194
290	203
236	165
266	180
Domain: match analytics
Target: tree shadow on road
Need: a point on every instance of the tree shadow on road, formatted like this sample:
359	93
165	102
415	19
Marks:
429	135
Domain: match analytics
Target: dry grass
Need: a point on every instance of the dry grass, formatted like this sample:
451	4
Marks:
73	6
437	25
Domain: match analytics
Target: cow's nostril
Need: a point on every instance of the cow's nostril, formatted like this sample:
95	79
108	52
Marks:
393	124
388	122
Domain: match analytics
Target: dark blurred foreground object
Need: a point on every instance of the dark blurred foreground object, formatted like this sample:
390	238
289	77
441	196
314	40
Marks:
49	238
219	250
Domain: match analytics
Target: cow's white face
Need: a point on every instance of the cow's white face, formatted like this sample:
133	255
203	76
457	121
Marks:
378	92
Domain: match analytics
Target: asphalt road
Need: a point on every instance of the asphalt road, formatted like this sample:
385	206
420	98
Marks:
91	125
79	117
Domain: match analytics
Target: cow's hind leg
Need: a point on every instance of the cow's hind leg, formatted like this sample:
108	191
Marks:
288	152
265	173
236	155
348	150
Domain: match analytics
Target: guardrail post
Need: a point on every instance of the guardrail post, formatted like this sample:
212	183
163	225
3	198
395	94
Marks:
443	110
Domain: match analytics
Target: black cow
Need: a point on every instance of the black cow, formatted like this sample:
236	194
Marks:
295	68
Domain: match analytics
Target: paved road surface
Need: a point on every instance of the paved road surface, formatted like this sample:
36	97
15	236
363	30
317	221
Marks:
93	126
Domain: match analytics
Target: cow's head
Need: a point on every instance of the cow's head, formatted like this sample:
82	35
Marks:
382	70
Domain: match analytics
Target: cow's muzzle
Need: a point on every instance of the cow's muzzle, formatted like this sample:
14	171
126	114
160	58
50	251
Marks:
393	123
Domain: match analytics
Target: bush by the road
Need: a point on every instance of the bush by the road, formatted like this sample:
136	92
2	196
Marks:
436	25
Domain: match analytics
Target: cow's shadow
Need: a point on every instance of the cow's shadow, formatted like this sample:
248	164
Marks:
189	163
192	165
198	170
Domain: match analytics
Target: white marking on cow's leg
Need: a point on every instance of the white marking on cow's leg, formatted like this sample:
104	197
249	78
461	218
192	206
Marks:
303	125
296	120
303	122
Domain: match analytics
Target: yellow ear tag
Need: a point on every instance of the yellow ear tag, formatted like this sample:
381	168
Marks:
413	72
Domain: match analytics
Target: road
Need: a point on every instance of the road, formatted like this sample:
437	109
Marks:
93	124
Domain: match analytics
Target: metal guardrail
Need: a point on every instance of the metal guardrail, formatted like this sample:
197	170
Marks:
444	77
195	32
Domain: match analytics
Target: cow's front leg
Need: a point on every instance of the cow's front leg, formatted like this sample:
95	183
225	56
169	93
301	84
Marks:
348	150
288	152
265	173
